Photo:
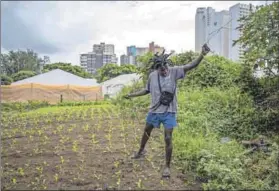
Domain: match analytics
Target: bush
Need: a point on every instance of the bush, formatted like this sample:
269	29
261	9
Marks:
23	75
82	103
228	113
23	106
214	71
6	80
214	102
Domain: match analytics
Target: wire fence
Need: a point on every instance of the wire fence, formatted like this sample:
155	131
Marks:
50	93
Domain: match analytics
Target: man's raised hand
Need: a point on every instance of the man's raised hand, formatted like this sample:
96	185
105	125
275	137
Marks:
205	49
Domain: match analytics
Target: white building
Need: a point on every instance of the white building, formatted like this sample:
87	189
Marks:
200	28
207	23
140	51
236	12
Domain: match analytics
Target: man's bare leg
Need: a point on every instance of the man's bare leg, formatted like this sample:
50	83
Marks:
147	132
168	142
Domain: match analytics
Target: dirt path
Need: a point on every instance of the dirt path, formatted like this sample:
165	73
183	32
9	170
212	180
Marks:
84	154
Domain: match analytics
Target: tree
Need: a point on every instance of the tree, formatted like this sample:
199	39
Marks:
68	67
260	37
145	65
15	61
184	58
6	80
22	75
112	70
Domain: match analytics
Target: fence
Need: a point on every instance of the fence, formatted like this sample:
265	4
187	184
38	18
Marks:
50	93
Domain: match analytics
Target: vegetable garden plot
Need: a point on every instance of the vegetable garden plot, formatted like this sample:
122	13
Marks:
81	148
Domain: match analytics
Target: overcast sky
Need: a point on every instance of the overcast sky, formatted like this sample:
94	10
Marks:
63	30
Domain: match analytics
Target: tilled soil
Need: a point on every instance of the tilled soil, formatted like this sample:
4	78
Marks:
85	154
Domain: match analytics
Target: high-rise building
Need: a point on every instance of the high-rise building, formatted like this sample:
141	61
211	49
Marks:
101	55
219	30
134	52
131	50
220	33
207	25
125	59
141	51
202	20
236	12
88	62
155	48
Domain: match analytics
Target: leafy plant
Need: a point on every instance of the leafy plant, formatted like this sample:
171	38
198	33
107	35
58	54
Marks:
6	80
22	75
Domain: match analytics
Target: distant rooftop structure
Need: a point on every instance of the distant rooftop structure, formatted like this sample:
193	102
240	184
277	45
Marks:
58	77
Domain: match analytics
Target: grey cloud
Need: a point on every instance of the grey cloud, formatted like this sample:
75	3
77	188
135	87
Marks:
15	33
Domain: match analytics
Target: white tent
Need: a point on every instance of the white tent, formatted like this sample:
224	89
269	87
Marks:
113	86
58	77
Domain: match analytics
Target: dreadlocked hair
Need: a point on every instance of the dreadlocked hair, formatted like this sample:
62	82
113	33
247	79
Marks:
160	60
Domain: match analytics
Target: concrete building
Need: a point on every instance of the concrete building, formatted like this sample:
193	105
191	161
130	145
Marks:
219	30
134	52
201	23
220	40
124	59
131	50
101	55
155	48
207	23
236	12
88	62
141	51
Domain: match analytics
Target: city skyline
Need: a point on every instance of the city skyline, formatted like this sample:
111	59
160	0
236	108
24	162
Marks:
63	36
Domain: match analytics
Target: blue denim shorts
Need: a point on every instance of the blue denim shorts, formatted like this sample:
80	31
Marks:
168	119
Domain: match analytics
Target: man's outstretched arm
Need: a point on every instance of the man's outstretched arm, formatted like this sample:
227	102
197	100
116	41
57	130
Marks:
142	92
195	63
139	93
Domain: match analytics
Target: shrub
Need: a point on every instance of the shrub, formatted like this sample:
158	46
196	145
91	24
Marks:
23	75
6	80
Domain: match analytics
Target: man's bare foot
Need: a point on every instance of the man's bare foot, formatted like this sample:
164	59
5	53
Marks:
139	155
166	172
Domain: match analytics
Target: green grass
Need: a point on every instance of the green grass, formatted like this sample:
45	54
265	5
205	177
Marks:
57	109
204	117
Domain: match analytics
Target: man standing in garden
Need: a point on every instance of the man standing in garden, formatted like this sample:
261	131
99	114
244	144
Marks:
161	85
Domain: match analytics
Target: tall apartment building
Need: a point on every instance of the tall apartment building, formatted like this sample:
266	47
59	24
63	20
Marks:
236	12
101	55
131	50
125	59
207	23
202	20
155	48
141	51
